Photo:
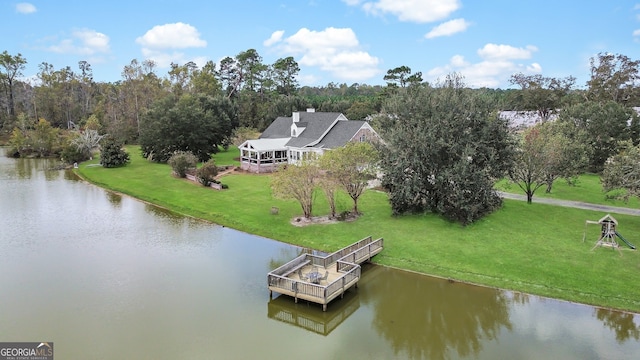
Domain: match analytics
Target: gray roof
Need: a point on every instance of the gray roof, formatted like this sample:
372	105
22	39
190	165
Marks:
279	128
315	125
341	134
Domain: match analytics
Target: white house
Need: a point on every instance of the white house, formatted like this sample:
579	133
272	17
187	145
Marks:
288	139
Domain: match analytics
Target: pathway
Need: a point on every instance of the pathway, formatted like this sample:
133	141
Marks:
573	204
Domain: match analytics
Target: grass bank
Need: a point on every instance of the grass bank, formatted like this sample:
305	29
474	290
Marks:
535	248
587	189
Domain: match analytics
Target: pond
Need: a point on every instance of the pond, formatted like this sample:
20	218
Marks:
105	276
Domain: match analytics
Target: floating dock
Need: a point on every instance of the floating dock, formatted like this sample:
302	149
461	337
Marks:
341	270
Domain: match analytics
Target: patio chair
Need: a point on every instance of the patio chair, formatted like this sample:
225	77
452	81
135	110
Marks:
324	278
302	277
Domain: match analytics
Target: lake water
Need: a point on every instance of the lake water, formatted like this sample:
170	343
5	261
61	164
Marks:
108	277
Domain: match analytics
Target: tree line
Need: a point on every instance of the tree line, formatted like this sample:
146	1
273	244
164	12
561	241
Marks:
444	145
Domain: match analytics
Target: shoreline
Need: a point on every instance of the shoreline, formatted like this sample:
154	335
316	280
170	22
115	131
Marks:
622	300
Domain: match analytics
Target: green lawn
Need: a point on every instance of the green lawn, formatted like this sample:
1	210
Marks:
535	248
587	189
228	157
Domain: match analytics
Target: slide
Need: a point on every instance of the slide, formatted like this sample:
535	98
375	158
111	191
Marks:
625	241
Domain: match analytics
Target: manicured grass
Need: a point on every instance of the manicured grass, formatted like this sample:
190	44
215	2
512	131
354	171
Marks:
227	157
535	248
587	189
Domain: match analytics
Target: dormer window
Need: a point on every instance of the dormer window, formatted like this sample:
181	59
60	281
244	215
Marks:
293	132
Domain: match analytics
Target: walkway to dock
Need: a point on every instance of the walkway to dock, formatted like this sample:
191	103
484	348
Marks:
341	269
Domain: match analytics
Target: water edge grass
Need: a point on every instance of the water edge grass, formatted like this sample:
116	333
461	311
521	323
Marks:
531	248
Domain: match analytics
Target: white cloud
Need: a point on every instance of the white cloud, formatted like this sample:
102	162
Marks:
335	50
420	11
495	68
309	79
25	8
448	28
171	36
274	38
636	33
163	59
161	42
84	42
493	51
534	68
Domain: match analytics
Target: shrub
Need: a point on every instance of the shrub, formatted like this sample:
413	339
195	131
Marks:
71	154
112	154
181	161
207	173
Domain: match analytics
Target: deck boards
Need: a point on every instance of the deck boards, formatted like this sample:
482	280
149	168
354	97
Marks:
343	268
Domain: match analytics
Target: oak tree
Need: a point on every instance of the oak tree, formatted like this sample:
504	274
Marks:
446	149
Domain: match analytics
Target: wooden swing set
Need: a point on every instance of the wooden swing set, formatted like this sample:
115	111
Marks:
608	233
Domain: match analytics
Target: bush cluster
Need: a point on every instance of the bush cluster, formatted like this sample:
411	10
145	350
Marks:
207	173
181	162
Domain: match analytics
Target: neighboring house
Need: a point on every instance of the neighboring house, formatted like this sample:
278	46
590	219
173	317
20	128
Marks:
524	119
290	139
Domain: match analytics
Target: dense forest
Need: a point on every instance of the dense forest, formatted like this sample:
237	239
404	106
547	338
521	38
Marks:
253	93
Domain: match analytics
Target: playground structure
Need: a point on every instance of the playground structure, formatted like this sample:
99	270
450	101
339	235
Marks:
608	233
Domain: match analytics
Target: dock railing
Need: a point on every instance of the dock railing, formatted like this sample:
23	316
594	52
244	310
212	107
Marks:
347	262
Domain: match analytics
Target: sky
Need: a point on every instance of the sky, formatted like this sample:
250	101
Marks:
333	41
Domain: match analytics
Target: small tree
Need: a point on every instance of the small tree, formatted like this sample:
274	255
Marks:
44	138
112	153
87	141
622	172
207	173
70	154
18	143
329	186
297	182
181	162
351	166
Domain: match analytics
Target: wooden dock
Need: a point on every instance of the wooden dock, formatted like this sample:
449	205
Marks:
342	268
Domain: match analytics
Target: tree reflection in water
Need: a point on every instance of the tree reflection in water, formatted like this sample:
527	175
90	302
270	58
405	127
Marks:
621	323
428	319
114	198
285	254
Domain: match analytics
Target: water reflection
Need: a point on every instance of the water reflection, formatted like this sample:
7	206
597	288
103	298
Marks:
114	198
25	168
284	256
430	319
621	323
309	316
164	214
519	298
71	176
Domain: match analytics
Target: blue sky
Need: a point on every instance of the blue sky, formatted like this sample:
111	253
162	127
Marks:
340	41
